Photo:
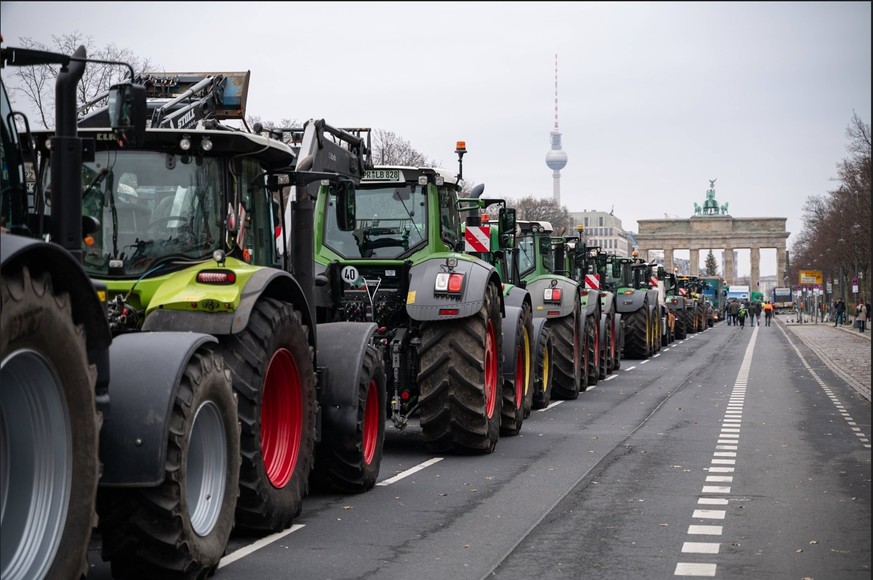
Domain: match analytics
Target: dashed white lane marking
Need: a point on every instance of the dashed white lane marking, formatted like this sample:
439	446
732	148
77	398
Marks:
245	551
684	569
629	369
410	471
726	447
862	438
645	361
701	547
552	405
610	377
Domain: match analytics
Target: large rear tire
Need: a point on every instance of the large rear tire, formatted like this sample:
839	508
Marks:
351	464
460	378
543	371
180	528
518	391
273	375
569	354
681	327
637	339
49	427
592	333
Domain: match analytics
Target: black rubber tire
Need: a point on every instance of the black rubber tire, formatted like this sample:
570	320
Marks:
275	335
544	370
637	338
592	342
460	379
569	355
151	532
618	329
518	391
604	351
351	464
37	321
681	328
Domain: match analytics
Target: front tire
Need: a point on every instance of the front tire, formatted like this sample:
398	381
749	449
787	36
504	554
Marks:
180	529
518	391
49	464
351	464
460	380
274	378
569	356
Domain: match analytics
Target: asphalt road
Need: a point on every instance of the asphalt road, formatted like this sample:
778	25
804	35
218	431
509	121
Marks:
732	454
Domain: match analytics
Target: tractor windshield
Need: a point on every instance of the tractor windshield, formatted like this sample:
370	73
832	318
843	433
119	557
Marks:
390	221
150	205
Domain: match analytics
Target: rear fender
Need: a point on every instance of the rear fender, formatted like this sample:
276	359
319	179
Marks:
509	326
341	350
569	297
627	303
146	370
265	282
423	304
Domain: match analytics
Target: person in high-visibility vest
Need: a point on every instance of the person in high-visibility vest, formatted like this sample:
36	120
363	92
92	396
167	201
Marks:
768	312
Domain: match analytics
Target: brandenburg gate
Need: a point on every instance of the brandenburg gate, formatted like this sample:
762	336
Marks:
712	228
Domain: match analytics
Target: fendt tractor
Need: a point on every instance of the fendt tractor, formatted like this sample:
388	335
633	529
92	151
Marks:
187	242
589	267
557	298
665	282
527	360
149	417
695	311
391	253
638	304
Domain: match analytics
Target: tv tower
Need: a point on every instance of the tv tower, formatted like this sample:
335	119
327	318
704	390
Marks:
556	159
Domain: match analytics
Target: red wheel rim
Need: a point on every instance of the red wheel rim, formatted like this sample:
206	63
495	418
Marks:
490	371
281	418
371	423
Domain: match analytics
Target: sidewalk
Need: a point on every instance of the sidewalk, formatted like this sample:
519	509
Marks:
843	349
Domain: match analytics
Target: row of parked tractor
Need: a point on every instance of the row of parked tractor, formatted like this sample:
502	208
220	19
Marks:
201	323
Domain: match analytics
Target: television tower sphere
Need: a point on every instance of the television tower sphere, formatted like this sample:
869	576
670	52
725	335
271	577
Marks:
556	159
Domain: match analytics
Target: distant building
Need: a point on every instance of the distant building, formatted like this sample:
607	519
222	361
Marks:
603	229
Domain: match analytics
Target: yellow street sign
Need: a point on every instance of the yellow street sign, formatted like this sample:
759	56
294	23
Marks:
810	277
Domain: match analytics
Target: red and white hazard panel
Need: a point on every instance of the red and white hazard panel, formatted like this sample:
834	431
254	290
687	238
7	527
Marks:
682	291
477	239
653	281
592	281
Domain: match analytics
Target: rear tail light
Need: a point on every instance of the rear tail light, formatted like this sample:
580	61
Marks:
218	277
449	283
552	295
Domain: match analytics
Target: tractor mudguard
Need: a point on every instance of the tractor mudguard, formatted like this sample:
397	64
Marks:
68	275
341	350
627	303
511	320
569	289
146	370
538	325
678	305
423	304
516	297
268	282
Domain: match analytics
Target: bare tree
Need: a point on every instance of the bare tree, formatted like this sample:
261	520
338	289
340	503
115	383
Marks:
537	209
836	234
389	149
35	85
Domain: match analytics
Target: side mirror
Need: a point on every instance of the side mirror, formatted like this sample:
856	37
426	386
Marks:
506	219
616	269
662	273
345	207
127	113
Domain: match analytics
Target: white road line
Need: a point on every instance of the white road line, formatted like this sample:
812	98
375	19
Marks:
712	501
705	530
610	377
687	569
645	361
629	369
551	406
410	471
708	514
700	547
245	551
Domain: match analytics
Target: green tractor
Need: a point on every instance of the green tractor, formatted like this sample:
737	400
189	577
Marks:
391	253
638	304
589	267
189	236
529	368
691	288
556	298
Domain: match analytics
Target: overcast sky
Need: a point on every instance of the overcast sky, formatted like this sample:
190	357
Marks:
654	99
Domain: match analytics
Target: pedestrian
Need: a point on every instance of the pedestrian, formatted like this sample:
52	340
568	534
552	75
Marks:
861	316
768	312
839	312
758	308
741	315
735	308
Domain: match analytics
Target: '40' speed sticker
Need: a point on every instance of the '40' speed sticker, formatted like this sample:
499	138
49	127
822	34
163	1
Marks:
351	276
